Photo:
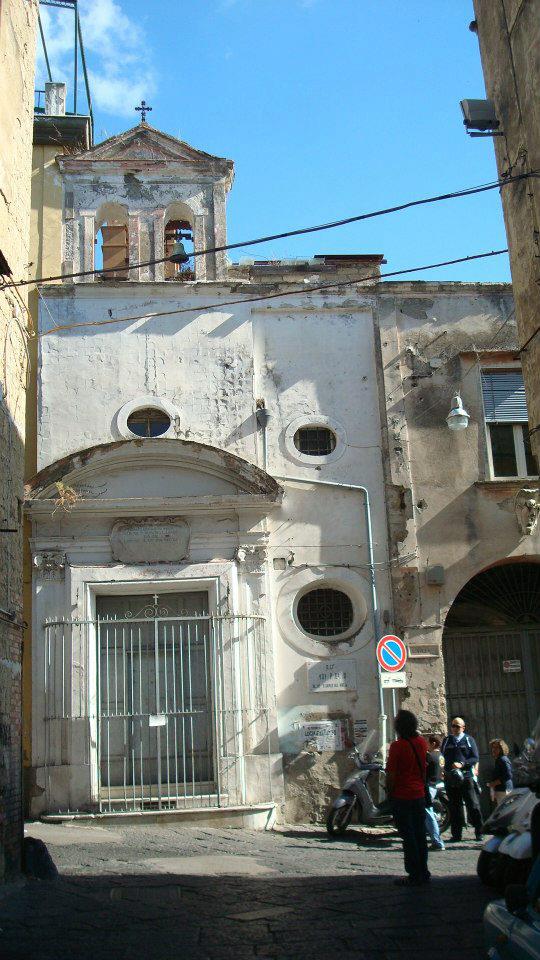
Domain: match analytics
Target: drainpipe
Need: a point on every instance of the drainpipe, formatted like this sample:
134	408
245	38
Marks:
263	416
374	601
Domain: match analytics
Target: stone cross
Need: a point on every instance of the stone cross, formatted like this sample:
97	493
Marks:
143	110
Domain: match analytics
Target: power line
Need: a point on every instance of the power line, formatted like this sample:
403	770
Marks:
272	296
456	194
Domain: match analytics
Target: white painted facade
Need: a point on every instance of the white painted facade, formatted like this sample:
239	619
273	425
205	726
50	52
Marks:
258	538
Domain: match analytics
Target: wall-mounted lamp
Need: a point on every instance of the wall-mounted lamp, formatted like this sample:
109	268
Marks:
479	115
458	418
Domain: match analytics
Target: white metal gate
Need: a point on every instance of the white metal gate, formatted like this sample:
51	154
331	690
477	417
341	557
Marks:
168	712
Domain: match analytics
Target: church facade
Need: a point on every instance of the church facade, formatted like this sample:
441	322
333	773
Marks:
203	617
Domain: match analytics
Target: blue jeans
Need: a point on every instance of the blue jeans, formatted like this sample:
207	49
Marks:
432	826
410	817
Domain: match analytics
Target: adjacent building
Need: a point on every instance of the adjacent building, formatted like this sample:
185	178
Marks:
56	132
463	506
18	25
509	35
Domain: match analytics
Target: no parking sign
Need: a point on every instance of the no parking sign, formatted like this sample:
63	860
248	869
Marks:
391	653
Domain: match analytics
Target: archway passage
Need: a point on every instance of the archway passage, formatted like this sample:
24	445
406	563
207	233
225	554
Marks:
491	649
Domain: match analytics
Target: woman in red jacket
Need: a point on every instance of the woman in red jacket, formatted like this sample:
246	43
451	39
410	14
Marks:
406	786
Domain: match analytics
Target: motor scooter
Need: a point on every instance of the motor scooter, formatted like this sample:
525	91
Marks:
355	803
512	925
509	826
506	856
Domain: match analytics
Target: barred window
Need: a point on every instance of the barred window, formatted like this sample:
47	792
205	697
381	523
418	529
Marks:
324	612
315	441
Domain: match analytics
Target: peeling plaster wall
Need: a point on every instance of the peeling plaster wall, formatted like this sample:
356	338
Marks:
443	508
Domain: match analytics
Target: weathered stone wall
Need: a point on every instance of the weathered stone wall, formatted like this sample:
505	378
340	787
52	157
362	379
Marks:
444	507
18	24
509	35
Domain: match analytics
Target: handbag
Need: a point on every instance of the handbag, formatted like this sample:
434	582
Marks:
428	802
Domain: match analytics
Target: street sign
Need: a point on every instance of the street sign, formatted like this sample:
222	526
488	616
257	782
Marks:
391	653
390	681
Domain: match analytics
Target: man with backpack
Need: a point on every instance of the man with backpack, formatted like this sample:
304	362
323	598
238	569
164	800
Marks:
460	755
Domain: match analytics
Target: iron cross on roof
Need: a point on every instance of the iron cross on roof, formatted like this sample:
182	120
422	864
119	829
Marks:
143	110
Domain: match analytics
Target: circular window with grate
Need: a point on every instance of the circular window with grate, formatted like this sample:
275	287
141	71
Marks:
149	422
324	612
315	441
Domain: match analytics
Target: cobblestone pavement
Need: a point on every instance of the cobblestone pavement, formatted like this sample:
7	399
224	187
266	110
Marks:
168	891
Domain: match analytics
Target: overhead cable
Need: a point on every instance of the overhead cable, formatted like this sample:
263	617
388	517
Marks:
456	194
202	308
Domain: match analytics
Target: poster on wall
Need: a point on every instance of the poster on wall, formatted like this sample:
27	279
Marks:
324	734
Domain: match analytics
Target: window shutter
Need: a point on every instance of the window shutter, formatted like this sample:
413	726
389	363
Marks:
504	396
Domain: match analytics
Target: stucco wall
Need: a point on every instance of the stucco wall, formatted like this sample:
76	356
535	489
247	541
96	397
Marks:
18	23
509	35
212	367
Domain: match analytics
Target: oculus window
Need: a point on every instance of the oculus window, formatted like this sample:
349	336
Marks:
315	441
149	422
324	612
505	408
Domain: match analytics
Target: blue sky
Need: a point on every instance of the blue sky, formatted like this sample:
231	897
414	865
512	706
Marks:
328	108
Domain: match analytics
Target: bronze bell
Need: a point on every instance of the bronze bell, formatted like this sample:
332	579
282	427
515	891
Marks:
178	254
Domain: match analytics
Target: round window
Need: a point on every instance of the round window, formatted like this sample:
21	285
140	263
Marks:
315	441
149	422
325	612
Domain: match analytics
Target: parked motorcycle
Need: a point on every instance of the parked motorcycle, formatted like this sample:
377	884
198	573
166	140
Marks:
509	826
355	804
507	856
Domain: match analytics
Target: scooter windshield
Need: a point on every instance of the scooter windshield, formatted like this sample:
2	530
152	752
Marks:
368	746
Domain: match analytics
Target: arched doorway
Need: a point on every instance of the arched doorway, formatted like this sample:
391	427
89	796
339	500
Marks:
491	650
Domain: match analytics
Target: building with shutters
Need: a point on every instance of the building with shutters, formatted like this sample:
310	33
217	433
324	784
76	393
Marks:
465	505
209	575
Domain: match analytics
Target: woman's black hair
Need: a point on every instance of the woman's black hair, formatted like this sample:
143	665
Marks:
406	724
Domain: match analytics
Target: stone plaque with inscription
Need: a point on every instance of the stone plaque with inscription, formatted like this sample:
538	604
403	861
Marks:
163	540
332	676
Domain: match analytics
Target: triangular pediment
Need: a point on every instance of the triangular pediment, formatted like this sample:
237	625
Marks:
144	142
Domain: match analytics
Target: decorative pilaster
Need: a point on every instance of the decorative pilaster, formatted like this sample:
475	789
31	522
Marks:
199	243
159	243
220	231
134	245
86	246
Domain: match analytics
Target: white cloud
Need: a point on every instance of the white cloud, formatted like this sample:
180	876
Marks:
117	53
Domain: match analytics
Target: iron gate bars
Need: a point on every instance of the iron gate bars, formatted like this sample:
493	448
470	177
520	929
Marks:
156	712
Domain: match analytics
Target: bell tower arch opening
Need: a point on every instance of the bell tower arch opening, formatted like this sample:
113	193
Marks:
179	229
112	241
491	651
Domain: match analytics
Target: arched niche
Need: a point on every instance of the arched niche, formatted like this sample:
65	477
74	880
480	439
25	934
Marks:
112	241
178	224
